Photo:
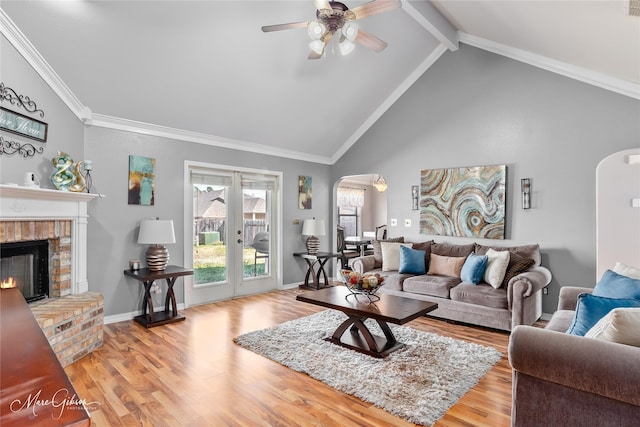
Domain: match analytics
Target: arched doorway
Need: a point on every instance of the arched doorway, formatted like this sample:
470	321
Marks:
359	206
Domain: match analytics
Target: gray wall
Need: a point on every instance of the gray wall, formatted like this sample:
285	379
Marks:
477	108
65	131
114	223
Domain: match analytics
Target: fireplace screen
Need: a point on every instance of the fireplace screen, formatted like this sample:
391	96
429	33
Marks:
25	265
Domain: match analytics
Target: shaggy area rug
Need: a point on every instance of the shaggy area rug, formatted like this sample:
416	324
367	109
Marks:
418	383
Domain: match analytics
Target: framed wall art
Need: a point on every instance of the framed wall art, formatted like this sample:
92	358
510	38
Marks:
304	192
142	173
463	202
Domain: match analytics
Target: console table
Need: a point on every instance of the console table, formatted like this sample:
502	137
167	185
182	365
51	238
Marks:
316	261
147	277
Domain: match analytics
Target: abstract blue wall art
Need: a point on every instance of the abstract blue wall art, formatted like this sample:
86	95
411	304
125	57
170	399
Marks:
463	202
142	172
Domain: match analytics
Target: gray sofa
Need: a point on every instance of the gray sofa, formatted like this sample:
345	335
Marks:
562	379
518	302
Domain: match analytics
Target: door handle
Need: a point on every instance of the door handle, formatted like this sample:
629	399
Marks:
239	240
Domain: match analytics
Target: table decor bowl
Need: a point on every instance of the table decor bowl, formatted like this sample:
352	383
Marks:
366	284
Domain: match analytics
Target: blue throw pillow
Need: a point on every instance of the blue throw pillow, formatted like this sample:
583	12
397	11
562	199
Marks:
411	261
592	308
614	285
473	268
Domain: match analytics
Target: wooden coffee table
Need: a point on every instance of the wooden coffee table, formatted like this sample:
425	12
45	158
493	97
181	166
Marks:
390	308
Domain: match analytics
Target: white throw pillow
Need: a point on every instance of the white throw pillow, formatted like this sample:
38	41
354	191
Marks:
626	270
621	325
391	255
497	264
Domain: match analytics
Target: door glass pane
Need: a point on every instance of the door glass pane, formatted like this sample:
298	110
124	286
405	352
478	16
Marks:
210	235
256	233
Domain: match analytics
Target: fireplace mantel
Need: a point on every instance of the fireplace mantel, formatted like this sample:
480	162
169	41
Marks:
37	204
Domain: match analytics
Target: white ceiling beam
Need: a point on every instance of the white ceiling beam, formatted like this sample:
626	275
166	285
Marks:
432	20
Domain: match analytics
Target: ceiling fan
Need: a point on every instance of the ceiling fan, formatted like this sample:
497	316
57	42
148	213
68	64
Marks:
334	17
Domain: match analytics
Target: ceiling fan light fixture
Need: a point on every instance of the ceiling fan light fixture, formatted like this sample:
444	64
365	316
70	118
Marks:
346	47
317	46
315	30
350	30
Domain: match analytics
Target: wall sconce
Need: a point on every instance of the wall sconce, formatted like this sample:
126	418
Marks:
414	197
525	184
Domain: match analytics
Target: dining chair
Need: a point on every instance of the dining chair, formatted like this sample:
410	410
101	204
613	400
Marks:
345	253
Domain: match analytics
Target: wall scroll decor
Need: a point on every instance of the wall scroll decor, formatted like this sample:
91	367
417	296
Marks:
8	94
464	202
304	192
18	124
13	147
142	173
414	197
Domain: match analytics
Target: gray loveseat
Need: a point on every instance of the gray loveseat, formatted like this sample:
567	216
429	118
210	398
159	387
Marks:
518	302
562	379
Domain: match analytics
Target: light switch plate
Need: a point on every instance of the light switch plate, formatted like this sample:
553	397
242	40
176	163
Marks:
407	223
394	222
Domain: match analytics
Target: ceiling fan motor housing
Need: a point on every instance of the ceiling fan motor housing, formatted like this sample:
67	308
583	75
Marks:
335	17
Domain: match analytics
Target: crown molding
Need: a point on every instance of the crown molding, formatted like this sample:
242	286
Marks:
397	93
584	75
24	47
100	120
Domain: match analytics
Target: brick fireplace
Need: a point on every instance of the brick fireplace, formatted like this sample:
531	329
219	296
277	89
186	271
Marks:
72	317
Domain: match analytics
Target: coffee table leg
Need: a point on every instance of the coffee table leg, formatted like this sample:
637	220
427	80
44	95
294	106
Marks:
372	345
391	339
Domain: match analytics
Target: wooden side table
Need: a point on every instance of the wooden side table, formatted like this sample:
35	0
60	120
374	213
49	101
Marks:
316	261
146	277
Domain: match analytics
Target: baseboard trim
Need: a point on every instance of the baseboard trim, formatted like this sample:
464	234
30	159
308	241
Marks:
125	317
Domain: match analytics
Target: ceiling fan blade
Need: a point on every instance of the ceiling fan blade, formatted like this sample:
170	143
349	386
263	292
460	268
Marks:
278	27
322	4
369	41
375	7
315	55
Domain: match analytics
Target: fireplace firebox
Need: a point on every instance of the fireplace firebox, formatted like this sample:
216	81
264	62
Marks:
25	265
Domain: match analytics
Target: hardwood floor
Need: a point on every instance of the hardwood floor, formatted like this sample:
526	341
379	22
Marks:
192	374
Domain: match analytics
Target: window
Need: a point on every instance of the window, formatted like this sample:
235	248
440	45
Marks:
350	202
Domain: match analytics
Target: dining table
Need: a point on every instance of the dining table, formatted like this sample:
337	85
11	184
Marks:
361	243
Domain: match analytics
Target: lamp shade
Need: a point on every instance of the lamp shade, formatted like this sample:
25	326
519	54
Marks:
156	232
313	227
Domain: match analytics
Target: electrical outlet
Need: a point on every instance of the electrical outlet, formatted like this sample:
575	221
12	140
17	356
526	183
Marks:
407	223
394	222
545	291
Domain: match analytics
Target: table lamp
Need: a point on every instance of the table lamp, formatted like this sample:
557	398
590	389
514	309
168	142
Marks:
157	233
313	228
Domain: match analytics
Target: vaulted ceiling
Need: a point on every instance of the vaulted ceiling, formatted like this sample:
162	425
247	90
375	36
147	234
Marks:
204	71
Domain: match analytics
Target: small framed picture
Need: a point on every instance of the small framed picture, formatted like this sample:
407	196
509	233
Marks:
304	192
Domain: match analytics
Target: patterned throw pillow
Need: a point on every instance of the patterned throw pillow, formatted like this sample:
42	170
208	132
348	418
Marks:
517	265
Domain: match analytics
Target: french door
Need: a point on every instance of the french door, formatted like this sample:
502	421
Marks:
233	232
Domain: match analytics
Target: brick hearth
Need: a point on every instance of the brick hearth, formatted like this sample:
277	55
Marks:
73	324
